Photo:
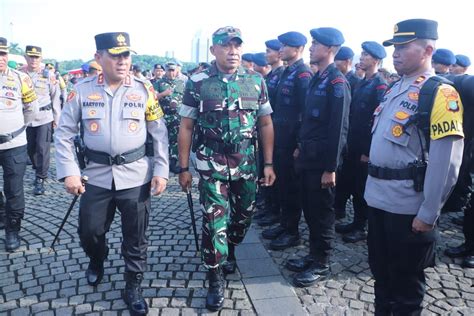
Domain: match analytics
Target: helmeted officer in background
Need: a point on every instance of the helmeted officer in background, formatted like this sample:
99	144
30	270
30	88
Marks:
158	73
404	202
442	61
247	61
116	111
288	107
18	107
170	90
365	98
260	64
225	102
40	132
270	210
322	137
343	62
460	67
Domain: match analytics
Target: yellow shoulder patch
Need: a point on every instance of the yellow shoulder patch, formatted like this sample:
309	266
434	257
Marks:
153	110
446	115
28	93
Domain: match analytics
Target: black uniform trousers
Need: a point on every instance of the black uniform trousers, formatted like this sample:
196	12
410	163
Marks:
468	226
397	259
96	213
286	189
39	144
344	188
318	209
359	173
13	162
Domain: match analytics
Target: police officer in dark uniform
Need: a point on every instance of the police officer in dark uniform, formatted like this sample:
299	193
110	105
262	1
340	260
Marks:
288	106
460	67
366	97
116	111
343	62
270	212
442	60
322	138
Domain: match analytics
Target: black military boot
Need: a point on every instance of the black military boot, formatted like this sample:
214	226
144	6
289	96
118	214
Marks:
95	270
215	293
229	266
39	187
132	294
12	238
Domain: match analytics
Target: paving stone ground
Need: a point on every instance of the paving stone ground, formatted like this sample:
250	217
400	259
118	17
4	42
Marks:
35	281
350	291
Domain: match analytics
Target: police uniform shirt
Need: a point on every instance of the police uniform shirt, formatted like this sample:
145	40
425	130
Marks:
18	105
353	80
272	79
49	102
323	132
394	148
367	95
114	123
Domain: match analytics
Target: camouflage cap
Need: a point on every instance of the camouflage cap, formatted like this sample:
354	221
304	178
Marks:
3	45
224	34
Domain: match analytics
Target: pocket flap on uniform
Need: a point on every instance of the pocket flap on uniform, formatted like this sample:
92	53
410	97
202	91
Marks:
396	132
89	113
133	113
248	104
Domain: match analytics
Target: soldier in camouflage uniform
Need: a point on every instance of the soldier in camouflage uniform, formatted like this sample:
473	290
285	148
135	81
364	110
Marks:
225	102
170	91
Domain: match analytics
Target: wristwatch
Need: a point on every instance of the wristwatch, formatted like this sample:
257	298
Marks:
181	169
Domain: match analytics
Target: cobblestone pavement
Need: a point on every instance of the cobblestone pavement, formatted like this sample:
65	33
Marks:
34	281
350	291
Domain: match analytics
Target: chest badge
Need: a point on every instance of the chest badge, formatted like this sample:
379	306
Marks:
402	115
94	127
132	127
413	96
94	97
134	113
397	130
92	112
134	97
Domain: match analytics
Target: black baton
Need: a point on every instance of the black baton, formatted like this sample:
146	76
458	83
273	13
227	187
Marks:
84	181
193	219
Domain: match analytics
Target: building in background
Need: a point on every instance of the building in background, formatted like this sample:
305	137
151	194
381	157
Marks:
200	47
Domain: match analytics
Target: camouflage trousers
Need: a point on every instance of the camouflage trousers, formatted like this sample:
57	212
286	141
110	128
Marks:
227	207
172	123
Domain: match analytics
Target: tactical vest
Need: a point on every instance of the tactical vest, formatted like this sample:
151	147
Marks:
228	110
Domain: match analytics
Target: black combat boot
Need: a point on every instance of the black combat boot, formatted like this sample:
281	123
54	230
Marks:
215	293
12	238
39	187
95	270
132	294
229	266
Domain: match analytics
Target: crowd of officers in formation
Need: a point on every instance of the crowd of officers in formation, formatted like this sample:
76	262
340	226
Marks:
270	133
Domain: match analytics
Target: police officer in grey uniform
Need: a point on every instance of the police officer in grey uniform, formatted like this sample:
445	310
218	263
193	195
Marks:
410	173
39	133
116	111
18	104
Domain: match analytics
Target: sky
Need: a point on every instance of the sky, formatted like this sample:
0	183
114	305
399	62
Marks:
65	29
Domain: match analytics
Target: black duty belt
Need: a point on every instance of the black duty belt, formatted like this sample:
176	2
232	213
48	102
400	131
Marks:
5	138
46	107
106	159
390	174
226	148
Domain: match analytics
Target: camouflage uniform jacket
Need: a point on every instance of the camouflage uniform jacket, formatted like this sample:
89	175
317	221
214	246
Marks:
226	109
170	103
